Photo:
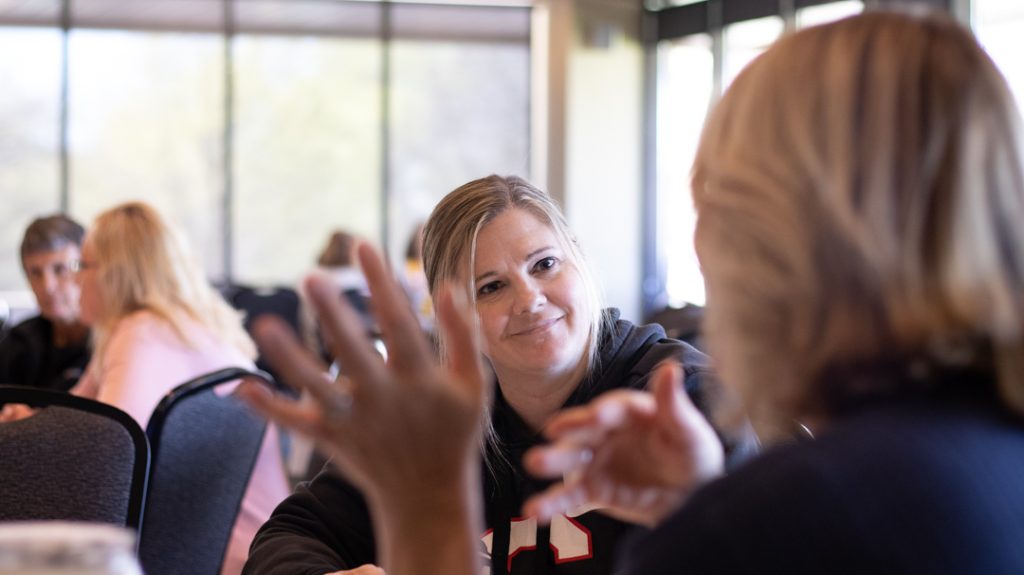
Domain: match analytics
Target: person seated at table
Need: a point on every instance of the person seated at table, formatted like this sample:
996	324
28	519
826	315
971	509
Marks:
51	349
859	192
551	346
156	324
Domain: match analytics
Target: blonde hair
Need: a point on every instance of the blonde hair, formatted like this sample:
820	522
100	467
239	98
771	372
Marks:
450	234
144	266
859	192
449	250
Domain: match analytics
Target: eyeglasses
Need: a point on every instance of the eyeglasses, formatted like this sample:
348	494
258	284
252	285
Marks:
78	266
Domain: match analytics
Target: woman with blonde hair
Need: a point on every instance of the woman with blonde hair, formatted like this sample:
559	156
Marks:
550	346
157	323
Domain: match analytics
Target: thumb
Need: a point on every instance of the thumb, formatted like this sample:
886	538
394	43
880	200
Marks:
672	404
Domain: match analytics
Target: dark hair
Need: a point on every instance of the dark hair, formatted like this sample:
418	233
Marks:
414	249
338	252
51	233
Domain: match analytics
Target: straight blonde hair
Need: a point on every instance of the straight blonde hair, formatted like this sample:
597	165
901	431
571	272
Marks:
860	196
144	266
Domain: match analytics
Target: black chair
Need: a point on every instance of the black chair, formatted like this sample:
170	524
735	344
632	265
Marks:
205	446
75	459
282	302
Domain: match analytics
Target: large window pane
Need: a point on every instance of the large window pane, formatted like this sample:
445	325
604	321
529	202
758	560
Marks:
685	87
459	111
823	13
29	138
146	122
999	25
307	150
745	41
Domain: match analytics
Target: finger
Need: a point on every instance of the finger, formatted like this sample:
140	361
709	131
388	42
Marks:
556	500
673	404
458	330
407	346
344	330
286	413
298	366
607	412
556	460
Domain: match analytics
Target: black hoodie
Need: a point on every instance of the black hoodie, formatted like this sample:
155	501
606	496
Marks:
325	525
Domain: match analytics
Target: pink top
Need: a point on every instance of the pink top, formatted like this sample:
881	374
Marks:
143	361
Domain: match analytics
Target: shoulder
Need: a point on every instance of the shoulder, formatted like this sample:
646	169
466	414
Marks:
880	492
33	328
23	349
142	332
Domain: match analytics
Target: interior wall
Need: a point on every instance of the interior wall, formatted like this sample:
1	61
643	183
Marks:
594	87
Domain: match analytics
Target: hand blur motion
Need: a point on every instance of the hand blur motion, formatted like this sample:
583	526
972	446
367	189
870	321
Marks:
15	412
636	455
382	421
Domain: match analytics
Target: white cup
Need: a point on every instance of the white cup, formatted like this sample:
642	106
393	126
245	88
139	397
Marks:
66	548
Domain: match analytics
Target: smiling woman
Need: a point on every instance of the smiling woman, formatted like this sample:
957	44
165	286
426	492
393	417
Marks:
551	346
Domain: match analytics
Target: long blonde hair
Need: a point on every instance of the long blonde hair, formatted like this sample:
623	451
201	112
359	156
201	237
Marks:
143	265
860	193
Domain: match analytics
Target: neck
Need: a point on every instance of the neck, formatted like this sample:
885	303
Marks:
536	397
65	334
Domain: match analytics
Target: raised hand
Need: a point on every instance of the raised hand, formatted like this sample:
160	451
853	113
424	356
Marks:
636	455
404	431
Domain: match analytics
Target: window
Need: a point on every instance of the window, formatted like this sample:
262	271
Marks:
307	150
745	41
329	102
458	112
685	87
29	137
999	25
146	121
824	13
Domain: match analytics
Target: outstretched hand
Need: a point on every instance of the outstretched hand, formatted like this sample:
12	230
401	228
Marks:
405	431
636	455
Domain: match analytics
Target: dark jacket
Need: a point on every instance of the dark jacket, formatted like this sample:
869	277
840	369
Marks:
28	357
325	526
930	483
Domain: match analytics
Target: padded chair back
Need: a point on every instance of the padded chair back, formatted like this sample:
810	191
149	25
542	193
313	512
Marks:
280	301
75	459
204	448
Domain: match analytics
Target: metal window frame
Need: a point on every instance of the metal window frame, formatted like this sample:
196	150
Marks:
709	17
387	30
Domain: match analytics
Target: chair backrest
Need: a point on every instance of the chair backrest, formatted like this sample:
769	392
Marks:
204	448
280	301
75	459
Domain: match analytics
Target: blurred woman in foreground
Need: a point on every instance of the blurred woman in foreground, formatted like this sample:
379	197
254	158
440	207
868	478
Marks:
859	192
156	324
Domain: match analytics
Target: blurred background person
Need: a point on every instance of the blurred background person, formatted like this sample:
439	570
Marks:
49	350
414	280
158	323
336	262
